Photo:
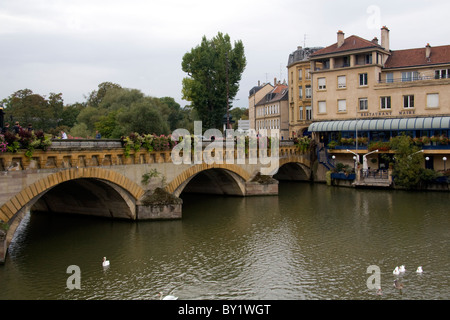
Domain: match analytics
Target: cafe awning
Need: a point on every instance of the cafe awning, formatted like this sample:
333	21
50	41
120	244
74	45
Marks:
425	123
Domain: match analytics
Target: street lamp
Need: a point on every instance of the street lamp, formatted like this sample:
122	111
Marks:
410	156
1	117
356	158
445	159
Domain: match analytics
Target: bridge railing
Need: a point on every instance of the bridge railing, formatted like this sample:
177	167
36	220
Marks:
86	153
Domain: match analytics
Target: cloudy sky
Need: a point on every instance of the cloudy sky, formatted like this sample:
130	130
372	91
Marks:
71	46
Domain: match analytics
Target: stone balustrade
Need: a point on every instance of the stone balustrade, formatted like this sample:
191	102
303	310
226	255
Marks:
90	153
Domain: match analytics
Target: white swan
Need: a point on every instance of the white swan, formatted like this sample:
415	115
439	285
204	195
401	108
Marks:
396	271
402	268
105	262
168	297
419	269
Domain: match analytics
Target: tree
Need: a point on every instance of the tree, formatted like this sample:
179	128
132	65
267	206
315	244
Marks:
214	70
96	96
70	114
176	115
409	162
143	117
27	107
238	113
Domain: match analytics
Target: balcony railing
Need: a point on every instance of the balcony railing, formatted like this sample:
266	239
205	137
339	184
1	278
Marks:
412	79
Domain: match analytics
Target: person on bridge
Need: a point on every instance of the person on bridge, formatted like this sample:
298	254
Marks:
5	128
63	135
98	135
16	127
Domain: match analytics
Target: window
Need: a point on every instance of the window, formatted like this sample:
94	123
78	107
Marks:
342	105
300	92
342	82
363	79
389	77
433	100
308	112
308	92
322	107
363	104
322	83
442	74
308	74
410	76
300	113
300	74
346	62
385	102
368	58
408	101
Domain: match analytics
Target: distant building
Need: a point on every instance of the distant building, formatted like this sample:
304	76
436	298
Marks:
255	95
271	112
300	91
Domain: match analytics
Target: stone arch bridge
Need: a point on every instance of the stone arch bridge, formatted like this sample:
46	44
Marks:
96	178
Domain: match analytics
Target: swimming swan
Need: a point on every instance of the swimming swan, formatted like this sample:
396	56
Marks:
168	297
105	262
402	268
419	269
396	271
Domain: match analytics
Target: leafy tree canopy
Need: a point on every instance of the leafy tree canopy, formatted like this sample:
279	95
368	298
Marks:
214	70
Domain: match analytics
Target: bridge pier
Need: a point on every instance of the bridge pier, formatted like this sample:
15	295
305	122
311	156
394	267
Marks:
3	246
159	205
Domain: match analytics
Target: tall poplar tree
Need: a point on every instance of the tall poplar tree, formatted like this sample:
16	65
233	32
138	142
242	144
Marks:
214	70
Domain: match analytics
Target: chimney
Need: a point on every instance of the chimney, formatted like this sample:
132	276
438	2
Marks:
375	40
385	38
274	81
259	83
340	38
428	51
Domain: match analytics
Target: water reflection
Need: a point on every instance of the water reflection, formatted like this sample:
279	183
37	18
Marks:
310	242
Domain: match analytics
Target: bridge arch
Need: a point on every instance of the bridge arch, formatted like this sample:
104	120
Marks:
226	178
294	168
104	184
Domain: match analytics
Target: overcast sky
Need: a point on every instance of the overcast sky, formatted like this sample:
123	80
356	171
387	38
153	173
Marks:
71	46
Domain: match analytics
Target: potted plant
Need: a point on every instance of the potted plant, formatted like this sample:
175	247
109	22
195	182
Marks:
443	140
332	144
434	140
426	140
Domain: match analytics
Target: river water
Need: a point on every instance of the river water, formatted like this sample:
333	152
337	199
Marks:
310	242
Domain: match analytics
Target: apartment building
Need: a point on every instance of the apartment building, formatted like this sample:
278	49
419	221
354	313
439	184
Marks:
255	95
363	91
300	91
271	112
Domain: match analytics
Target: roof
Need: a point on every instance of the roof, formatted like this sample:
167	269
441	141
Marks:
278	93
417	57
302	54
255	89
351	43
426	123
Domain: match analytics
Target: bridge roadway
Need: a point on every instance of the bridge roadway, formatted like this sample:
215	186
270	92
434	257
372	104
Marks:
97	178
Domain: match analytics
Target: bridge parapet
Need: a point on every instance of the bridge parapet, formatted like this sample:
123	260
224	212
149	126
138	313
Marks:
65	154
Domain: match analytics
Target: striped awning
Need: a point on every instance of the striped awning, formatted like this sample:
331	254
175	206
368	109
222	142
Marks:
426	123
